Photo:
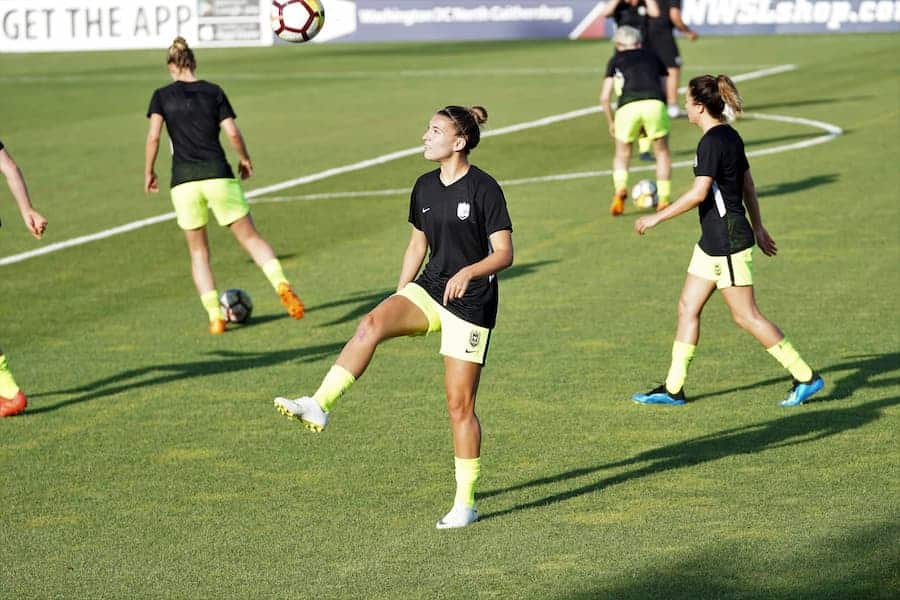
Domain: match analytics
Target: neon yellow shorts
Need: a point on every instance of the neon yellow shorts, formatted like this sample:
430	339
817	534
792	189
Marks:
459	339
649	114
193	198
727	271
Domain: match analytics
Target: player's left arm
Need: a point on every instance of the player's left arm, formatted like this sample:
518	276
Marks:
34	221
606	104
496	261
151	149
245	166
680	25
751	201
690	199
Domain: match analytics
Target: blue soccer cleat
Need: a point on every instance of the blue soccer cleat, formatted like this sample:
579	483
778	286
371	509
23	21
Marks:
801	392
660	395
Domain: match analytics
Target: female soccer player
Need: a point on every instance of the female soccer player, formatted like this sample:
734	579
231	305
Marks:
637	76
194	111
458	214
722	258
662	41
12	399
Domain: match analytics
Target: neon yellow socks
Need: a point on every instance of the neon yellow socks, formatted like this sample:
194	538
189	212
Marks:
8	387
274	273
620	179
663	190
210	302
682	354
790	359
467	472
336	382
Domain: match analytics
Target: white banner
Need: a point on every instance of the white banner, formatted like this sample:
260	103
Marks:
52	25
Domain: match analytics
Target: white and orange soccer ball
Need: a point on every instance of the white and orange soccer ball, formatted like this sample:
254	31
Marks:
643	194
297	21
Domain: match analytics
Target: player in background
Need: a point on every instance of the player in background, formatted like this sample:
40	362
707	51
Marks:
12	399
194	111
637	14
637	75
723	187
662	41
458	215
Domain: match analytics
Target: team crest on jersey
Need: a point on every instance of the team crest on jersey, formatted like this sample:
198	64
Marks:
474	338
462	211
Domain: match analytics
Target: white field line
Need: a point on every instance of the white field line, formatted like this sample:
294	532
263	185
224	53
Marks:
85	239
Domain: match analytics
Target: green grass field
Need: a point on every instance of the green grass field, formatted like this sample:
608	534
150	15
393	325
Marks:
151	463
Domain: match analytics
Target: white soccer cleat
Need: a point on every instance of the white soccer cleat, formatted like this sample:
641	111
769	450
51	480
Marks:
306	410
459	516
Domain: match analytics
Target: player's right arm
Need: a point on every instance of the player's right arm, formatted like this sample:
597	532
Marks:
151	149
680	25
245	167
34	221
413	257
606	103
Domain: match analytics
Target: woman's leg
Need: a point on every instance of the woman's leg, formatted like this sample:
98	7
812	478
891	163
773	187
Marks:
620	177
663	171
461	384
263	255
198	247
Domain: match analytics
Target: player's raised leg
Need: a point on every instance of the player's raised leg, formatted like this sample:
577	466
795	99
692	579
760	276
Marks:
395	316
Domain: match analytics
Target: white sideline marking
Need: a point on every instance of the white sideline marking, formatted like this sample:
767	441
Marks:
77	241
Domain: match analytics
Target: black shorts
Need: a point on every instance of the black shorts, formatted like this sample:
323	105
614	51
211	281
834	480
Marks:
666	49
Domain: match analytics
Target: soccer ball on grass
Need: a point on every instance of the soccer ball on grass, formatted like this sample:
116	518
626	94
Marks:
643	194
237	305
297	21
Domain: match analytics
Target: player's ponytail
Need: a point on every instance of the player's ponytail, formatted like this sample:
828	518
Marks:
468	121
718	95
181	55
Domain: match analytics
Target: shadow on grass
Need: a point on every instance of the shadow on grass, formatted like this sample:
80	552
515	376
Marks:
152	375
801	428
367	301
854	562
799	185
796	428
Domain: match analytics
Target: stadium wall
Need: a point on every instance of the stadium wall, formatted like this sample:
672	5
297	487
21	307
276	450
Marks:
65	25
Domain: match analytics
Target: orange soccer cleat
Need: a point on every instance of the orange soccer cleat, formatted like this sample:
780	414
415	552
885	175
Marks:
618	203
290	300
661	204
217	326
13	406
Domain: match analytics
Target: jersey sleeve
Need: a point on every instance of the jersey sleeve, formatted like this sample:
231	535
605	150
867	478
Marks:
611	66
496	215
415	216
224	106
708	158
155	105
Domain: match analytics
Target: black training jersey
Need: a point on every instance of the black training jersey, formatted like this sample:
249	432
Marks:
457	220
723	220
193	112
662	26
637	75
633	16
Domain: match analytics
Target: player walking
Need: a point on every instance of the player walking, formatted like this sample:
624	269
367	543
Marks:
194	111
12	400
458	214
722	258
636	75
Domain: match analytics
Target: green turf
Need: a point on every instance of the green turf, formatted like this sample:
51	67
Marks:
151	463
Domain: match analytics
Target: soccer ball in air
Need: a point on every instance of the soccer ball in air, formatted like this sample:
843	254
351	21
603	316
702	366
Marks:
643	194
297	20
237	305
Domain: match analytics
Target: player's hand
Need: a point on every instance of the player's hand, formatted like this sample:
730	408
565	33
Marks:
35	222
457	285
644	223
612	130
765	242
150	183
245	168
692	35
